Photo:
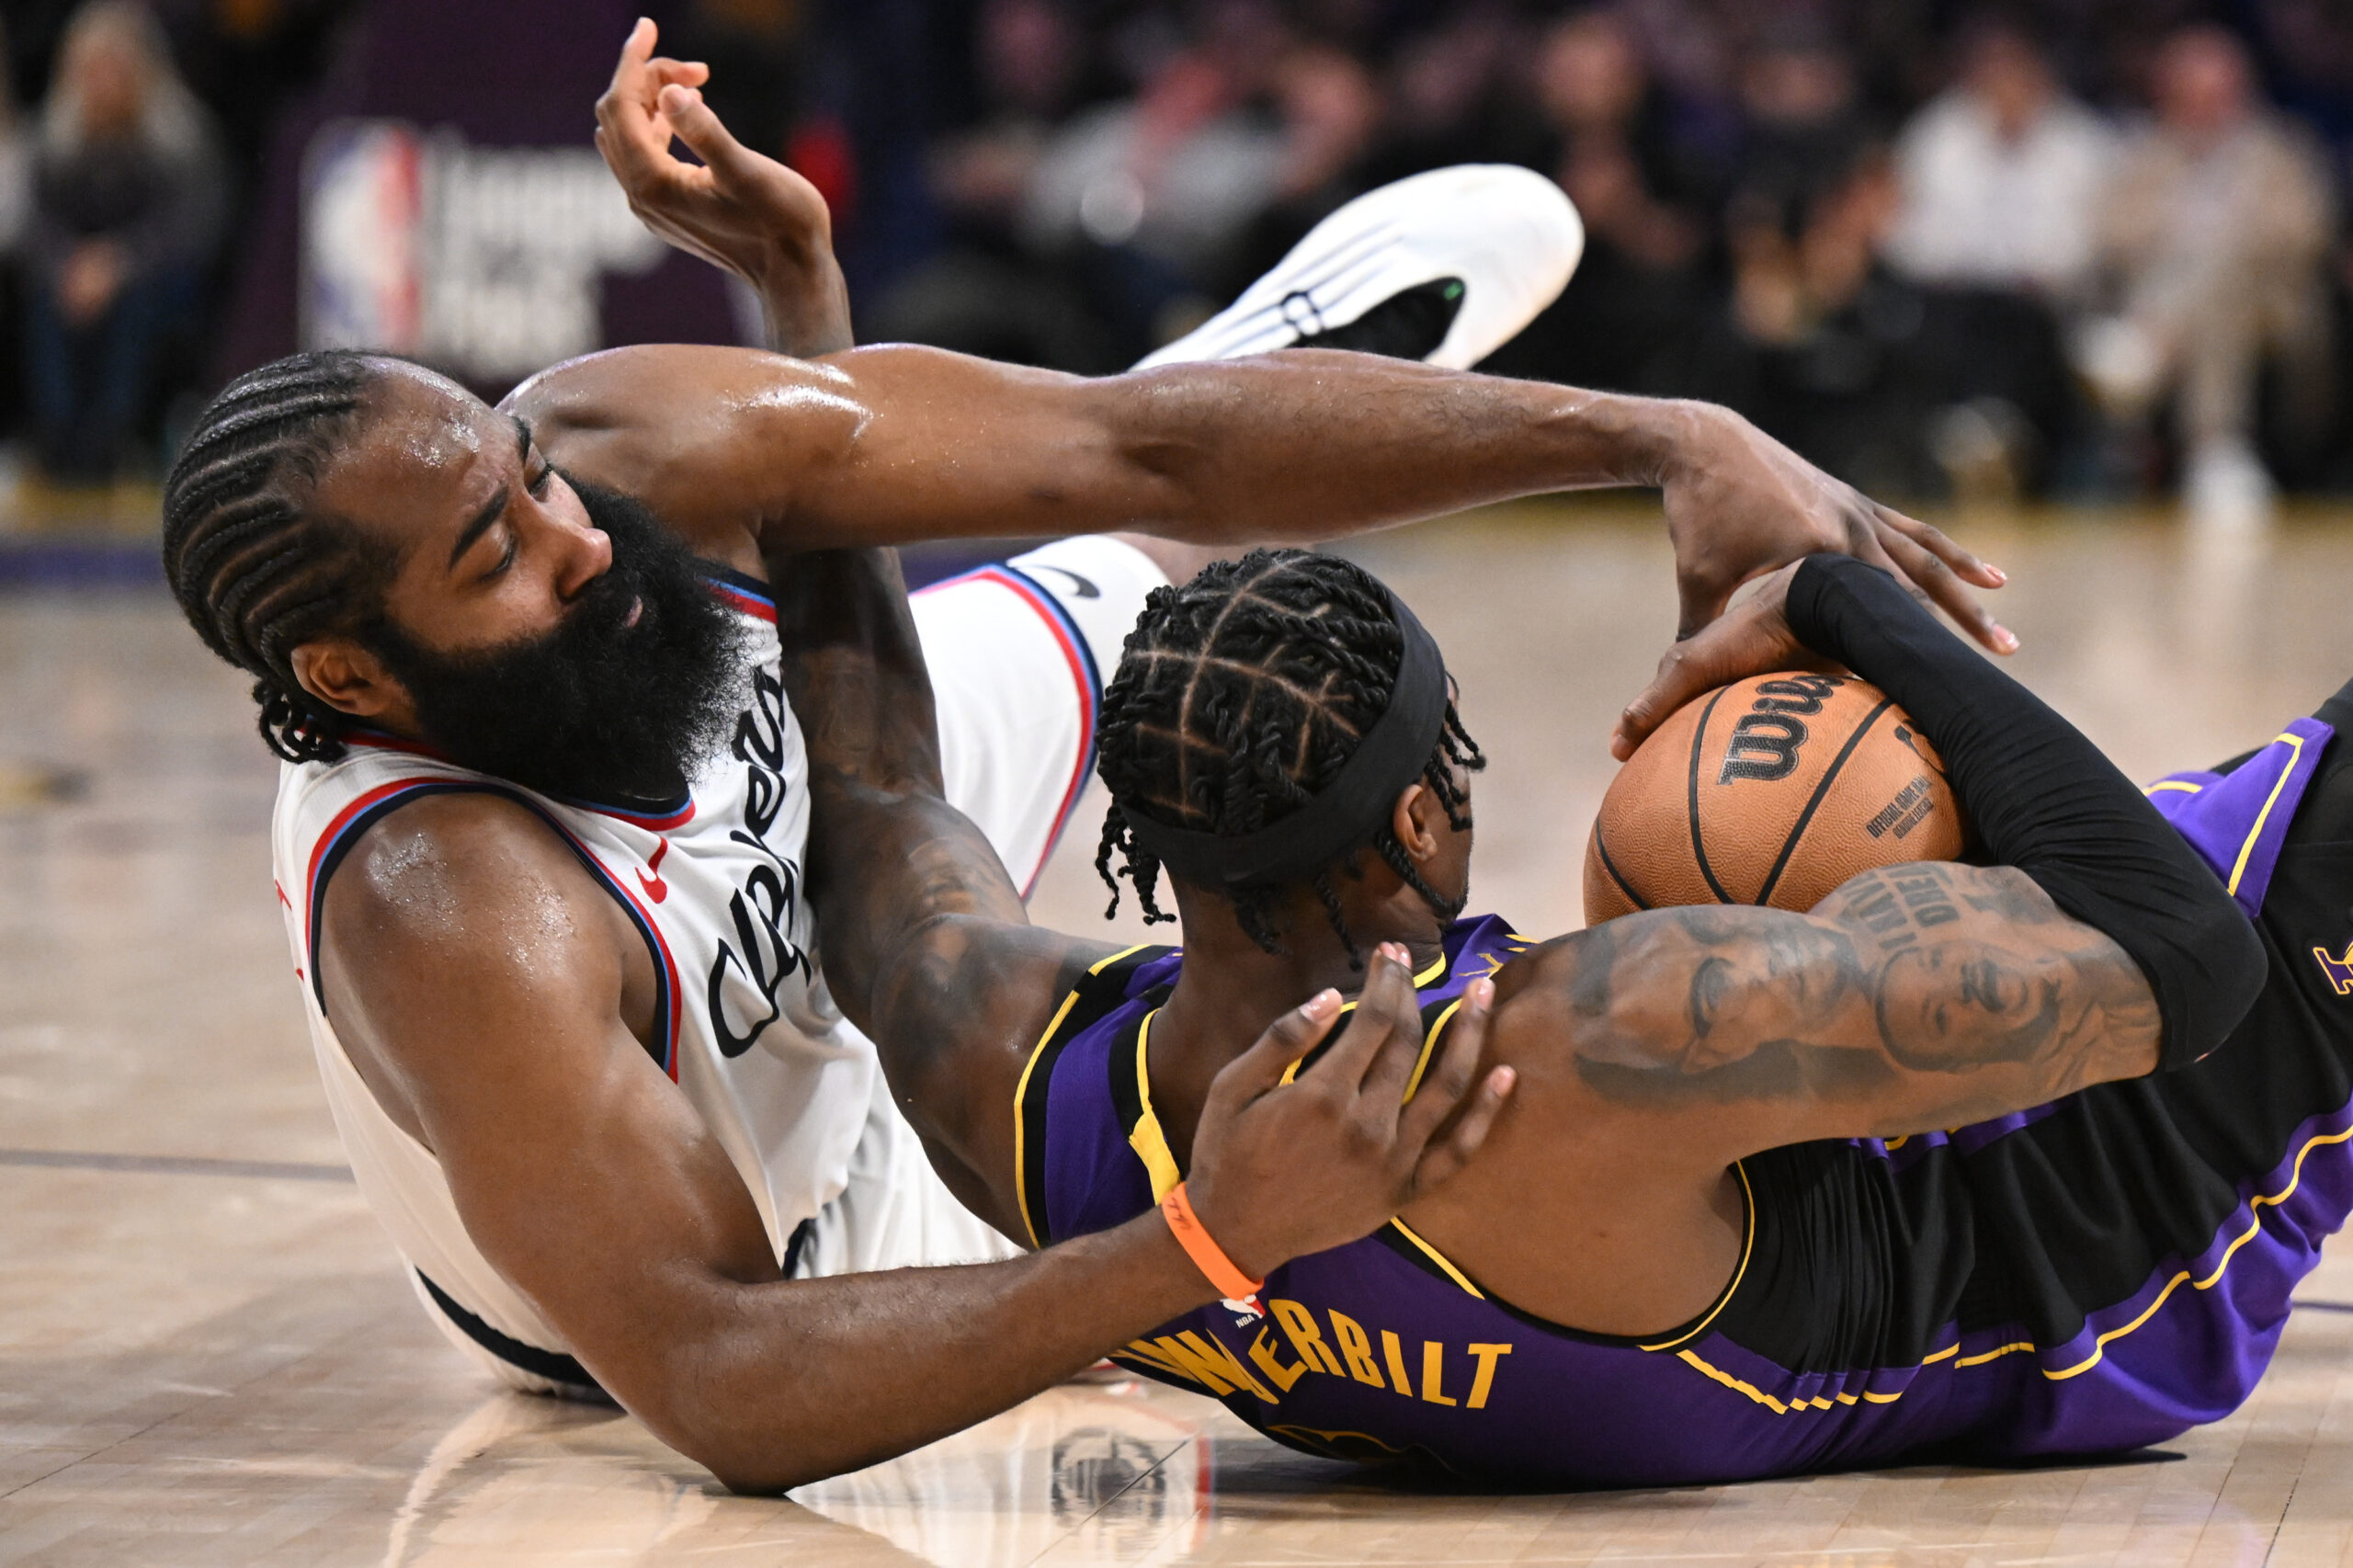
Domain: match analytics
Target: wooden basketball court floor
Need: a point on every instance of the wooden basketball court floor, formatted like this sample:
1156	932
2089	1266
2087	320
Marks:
208	1354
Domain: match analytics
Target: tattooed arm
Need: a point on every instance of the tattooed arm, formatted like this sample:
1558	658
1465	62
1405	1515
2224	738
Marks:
2039	797
925	944
1914	997
927	949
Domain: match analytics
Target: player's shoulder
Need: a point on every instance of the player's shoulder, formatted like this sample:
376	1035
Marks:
453	866
624	385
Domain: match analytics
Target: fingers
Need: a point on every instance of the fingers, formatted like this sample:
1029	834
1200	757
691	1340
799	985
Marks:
636	50
698	127
1401	1047
1385	1003
1450	1076
1685	671
1927	569
1983	574
1262	1066
1441	1164
661	73
1698	602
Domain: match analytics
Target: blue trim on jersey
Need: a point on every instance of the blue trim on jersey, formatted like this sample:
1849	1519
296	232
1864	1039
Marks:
330	856
1090	710
741	583
1093	708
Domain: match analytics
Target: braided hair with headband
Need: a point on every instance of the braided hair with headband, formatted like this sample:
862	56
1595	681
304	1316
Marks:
1239	695
255	570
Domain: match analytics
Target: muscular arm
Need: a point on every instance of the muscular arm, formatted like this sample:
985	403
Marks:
928	947
1916	997
1924	995
485	990
752	455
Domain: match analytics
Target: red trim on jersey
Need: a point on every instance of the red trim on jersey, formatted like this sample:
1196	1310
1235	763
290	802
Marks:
653	822
737	599
333	831
645	919
675	994
1065	638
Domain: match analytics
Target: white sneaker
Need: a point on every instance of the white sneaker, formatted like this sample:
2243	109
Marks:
1445	266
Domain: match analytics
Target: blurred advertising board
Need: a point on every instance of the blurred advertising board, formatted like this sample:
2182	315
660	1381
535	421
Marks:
440	197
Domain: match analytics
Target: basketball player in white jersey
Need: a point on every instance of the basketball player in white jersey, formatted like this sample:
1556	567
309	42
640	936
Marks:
542	816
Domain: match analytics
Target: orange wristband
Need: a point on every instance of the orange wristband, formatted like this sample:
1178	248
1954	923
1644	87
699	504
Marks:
1207	1255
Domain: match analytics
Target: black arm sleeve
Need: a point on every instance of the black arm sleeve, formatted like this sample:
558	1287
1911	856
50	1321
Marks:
2043	799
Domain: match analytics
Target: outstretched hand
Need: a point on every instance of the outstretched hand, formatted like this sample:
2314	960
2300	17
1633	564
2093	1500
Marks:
1752	639
1280	1170
1740	504
736	209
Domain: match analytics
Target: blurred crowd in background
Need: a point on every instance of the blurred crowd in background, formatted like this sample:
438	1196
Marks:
2083	249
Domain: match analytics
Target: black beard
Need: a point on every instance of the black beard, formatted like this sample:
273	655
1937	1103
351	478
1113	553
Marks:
597	710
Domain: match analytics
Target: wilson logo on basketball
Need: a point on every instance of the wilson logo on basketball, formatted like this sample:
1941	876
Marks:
1827	780
1765	743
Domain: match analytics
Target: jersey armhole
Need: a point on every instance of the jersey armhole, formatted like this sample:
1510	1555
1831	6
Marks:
353	822
1101	989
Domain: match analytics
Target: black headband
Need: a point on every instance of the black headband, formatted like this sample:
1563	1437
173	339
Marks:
1392	754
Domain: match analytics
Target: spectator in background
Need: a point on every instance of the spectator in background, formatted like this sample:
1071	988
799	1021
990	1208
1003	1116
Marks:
1645	202
1147	195
2002	175
1805	124
15	162
2213	233
127	197
986	293
1819	342
1331	112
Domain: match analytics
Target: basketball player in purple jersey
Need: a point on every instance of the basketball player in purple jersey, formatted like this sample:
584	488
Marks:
543	821
1944	1168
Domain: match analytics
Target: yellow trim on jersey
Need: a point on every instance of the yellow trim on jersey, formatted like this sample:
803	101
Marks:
2238	868
2254	1223
2099	1347
1747	1247
1779	1406
1021	1091
1435	971
1147	1139
2183	785
2012	1348
1438	1258
1429	1048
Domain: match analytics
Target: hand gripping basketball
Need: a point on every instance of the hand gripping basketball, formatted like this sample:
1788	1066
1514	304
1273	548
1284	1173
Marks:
1752	638
1280	1170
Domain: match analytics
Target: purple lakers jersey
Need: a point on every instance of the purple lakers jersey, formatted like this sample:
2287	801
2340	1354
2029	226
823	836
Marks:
2092	1275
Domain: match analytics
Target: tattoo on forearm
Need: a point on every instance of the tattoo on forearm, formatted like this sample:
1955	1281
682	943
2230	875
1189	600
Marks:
1941	987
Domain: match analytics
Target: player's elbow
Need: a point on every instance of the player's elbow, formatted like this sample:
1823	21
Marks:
752	1447
2217	975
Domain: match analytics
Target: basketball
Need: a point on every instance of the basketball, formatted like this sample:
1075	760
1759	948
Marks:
1773	791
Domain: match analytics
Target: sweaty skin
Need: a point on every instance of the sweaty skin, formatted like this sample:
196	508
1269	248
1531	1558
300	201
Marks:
493	998
1650	1052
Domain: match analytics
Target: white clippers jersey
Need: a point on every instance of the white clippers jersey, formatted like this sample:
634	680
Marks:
713	885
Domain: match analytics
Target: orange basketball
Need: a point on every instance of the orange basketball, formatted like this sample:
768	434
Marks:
1772	791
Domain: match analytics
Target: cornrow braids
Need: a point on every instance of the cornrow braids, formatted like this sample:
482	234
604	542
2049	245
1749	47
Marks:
1238	698
255	570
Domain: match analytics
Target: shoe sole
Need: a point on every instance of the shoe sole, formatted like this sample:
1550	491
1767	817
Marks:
1511	235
